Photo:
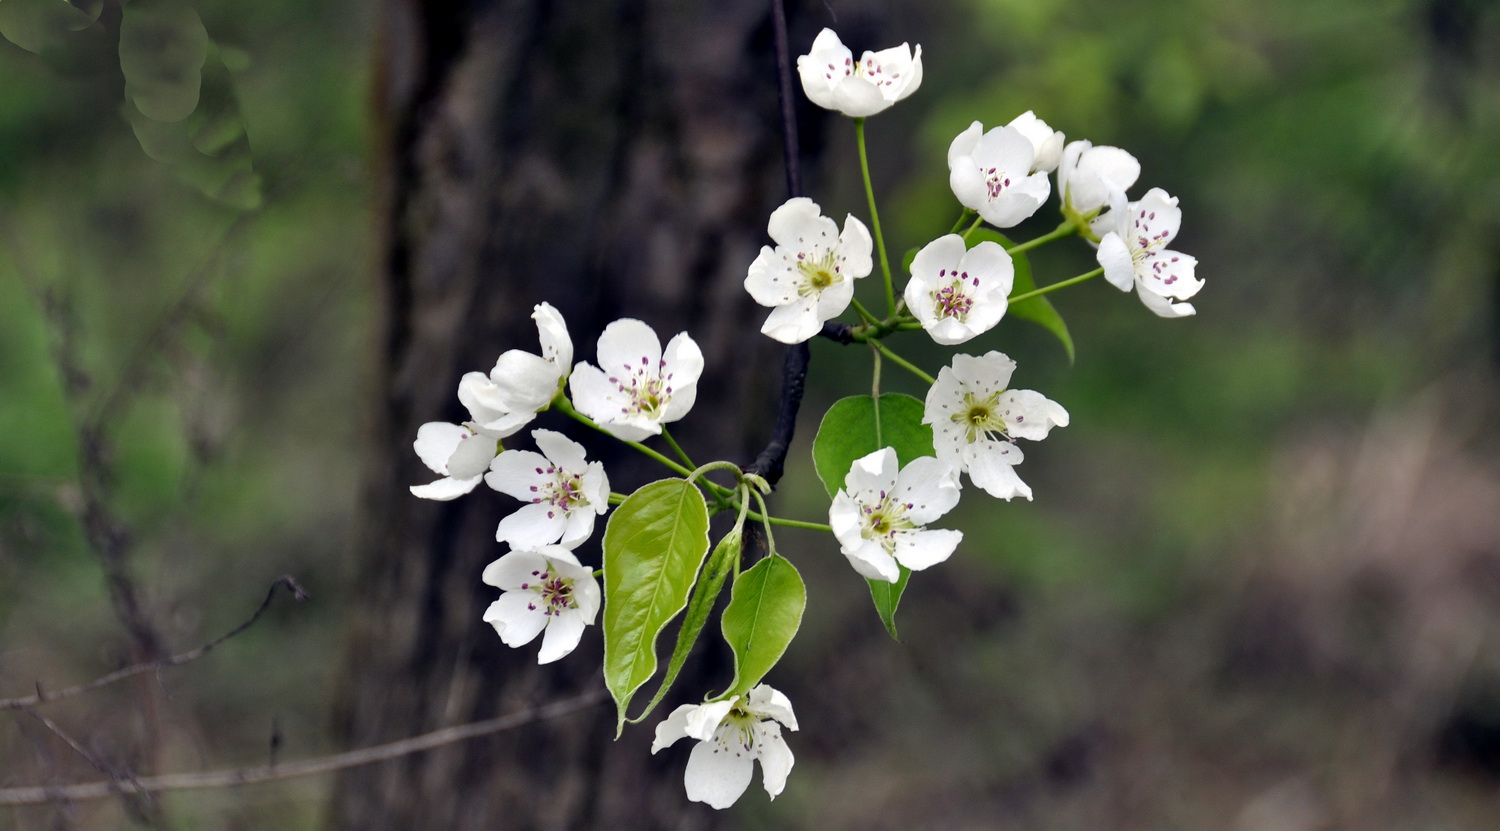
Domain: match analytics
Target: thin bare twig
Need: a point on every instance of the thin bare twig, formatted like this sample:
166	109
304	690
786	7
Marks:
94	761
43	697
42	795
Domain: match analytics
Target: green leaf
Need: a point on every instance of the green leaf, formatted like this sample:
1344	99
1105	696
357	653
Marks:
911	254
42	25
1038	310
854	428
887	597
764	612
705	592
163	47
653	546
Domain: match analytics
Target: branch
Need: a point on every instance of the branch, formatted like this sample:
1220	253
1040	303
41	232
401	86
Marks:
42	795
772	460
42	697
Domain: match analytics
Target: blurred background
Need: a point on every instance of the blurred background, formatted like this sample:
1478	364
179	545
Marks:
1259	586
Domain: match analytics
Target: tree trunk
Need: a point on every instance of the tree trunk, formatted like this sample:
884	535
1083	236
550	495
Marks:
617	160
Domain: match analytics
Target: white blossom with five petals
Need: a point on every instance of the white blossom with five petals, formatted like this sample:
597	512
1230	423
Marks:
1086	175
639	387
976	420
457	452
833	81
731	735
879	516
992	173
565	491
808	278
545	589
957	293
1133	250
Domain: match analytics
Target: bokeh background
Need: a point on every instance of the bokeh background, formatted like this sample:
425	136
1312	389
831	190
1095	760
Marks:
1259	586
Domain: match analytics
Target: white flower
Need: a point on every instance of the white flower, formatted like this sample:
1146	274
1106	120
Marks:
521	384
565	490
459	453
833	81
644	388
879	515
958	293
976	420
544	589
1047	142
732	734
991	173
1133	250
1086	174
809	276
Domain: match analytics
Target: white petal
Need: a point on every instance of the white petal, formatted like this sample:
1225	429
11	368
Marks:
823	67
919	549
514	570
858	98
844	518
517	473
1114	256
681	367
1156	216
580	527
628	344
968	183
775	757
855	247
964	143
832	301
771	281
480	397
872	473
794	322
993	473
1030	415
704	720
799	226
1169	274
516	617
718	774
436	441
768	702
472	457
566	453
872	561
525	382
671	728
586	594
985	375
445	489
593	394
532	525
552	331
563	633
930	486
1164	307
1098	170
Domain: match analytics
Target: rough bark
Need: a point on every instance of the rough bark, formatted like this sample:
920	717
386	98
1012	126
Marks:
615	159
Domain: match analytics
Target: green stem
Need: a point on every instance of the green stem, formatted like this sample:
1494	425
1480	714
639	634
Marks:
567	407
902	362
864	168
616	498
675	447
1072	281
962	218
977	221
1066	229
790	523
864	313
765	523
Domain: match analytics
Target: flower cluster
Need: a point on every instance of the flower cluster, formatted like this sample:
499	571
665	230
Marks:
890	476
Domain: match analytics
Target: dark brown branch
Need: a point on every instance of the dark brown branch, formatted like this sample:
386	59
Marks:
43	697
771	462
42	795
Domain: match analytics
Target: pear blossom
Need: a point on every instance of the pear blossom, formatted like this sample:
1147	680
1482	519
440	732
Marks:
640	387
957	293
880	514
808	278
460	453
976	420
1045	141
1133	250
565	491
544	589
1086	174
833	81
732	734
521	384
992	173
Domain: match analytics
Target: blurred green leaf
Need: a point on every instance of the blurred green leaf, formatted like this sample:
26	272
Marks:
163	46
40	25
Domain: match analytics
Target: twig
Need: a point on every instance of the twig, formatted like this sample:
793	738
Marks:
42	795
772	460
43	697
97	763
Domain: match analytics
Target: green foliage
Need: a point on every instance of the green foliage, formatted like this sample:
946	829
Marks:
764	613
725	559
654	543
855	427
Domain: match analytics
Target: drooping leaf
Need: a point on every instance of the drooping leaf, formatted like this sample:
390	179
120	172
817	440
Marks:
163	46
1038	310
41	25
705	592
855	427
764	612
653	545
